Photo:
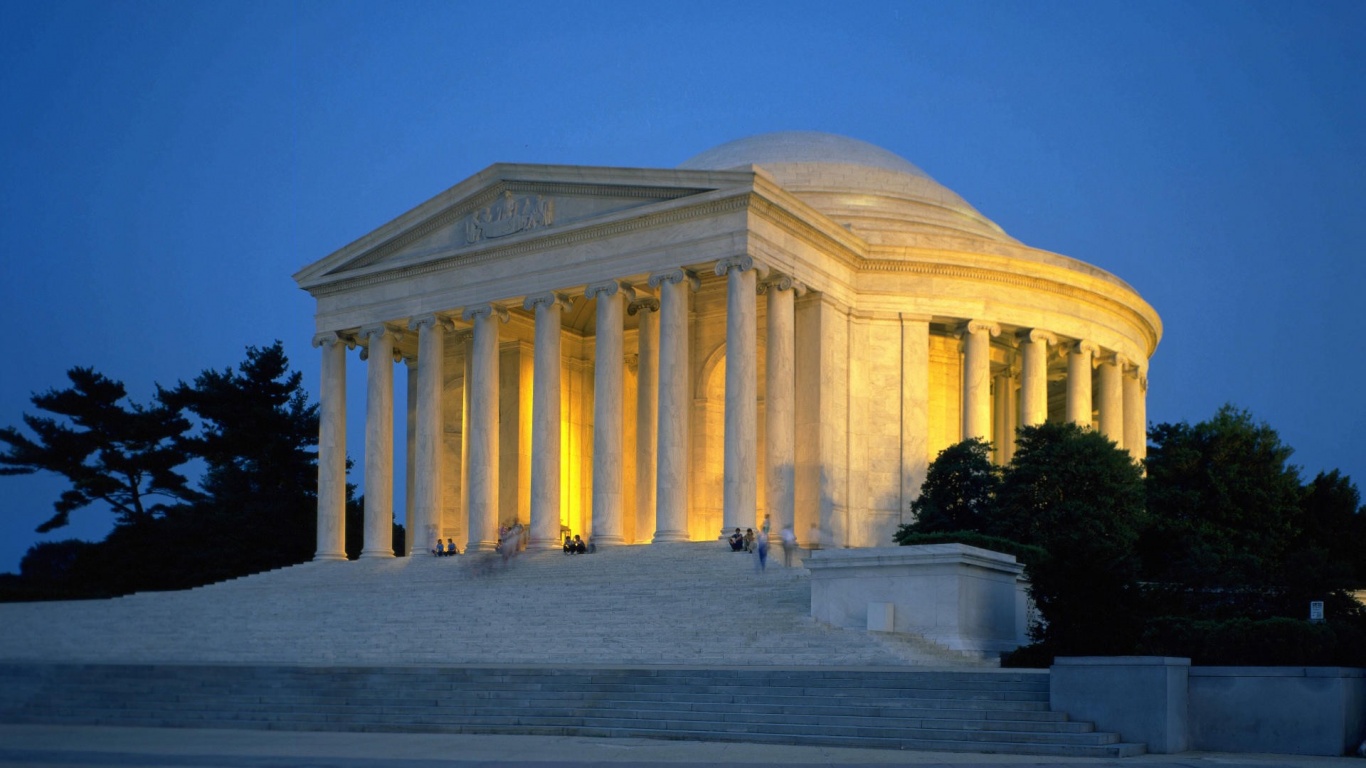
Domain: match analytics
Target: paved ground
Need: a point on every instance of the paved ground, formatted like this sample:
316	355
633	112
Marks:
90	746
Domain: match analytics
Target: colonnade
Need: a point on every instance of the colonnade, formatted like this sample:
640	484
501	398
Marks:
663	404
661	411
1120	404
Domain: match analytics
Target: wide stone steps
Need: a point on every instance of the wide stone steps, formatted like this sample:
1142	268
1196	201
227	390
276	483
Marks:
986	711
692	603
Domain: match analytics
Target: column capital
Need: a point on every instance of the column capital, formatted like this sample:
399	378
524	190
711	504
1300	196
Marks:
332	338
674	276
370	332
610	288
643	304
780	282
741	263
1083	346
1107	358
549	299
978	326
485	310
430	320
1036	335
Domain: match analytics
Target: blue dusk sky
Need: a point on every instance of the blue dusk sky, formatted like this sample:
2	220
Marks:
167	166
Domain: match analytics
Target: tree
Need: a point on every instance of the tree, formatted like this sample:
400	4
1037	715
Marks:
1328	556
1224	501
1074	493
258	438
959	490
124	455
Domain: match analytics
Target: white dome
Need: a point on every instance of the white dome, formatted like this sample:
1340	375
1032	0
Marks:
875	193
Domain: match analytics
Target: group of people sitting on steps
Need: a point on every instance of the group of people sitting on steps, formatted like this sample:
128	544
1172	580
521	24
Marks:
577	546
446	550
742	542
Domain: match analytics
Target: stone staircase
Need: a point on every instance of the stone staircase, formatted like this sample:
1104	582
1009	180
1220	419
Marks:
682	641
895	709
690	603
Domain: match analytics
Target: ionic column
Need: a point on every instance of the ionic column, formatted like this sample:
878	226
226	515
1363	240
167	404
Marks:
426	503
1111	400
780	394
482	462
332	447
379	442
671	474
466	340
1034	376
608	354
1000	396
1135	427
977	378
647	410
741	476
410	458
1079	382
545	421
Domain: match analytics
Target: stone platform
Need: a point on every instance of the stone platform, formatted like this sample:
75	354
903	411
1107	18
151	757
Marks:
688	603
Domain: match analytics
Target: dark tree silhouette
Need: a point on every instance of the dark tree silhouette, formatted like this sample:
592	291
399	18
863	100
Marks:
258	438
119	453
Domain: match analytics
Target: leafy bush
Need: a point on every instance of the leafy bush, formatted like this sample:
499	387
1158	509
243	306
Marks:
1276	641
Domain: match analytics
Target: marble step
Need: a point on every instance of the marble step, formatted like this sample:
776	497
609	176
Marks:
948	710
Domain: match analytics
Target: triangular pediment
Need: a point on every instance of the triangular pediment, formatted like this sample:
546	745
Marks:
514	203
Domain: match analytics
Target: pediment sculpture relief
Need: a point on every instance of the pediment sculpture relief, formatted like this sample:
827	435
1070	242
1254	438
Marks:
508	215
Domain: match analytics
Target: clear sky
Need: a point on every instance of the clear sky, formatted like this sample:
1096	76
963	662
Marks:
167	166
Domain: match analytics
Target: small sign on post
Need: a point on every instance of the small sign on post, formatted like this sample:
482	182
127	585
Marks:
1316	610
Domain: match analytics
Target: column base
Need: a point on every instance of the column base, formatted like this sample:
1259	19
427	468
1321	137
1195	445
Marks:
481	546
322	557
368	554
544	545
669	537
608	541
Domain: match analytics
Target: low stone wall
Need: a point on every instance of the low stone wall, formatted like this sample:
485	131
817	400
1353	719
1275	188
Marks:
1173	707
964	598
1144	696
1294	710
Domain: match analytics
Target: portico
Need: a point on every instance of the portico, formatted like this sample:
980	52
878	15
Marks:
791	324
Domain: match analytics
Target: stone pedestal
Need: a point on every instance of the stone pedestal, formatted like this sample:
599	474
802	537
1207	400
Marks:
960	597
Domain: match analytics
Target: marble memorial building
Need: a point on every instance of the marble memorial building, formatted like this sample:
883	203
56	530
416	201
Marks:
792	324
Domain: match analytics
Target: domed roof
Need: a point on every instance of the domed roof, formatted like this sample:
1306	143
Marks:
873	192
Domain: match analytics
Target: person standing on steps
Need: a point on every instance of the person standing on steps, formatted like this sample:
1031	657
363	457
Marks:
761	547
765	527
789	543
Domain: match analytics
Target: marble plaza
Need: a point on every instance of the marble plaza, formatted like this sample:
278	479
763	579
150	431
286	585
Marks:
790	324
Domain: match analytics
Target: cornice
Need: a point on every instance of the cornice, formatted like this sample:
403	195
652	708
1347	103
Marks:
982	274
549	240
847	250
